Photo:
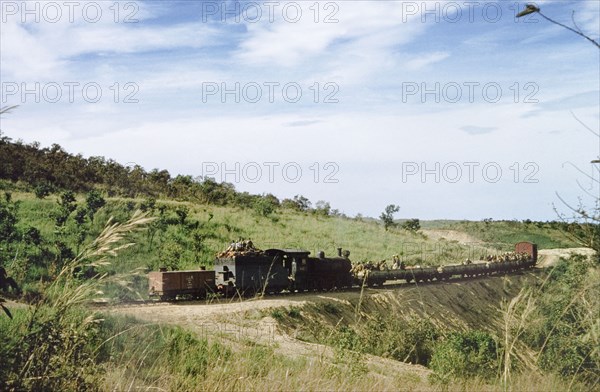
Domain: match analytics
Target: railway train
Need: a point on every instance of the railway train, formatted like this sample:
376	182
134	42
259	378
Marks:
244	270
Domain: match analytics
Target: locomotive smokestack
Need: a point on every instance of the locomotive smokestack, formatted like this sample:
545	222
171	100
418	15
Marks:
339	252
321	254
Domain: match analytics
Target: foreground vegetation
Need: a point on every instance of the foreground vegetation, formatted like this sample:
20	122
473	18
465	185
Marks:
118	353
548	331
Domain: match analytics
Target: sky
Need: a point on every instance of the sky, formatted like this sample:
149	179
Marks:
449	109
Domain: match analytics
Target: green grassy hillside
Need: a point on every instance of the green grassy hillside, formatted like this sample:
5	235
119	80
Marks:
185	235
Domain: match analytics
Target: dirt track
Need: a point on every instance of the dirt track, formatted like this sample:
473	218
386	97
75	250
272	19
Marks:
549	257
462	303
451	235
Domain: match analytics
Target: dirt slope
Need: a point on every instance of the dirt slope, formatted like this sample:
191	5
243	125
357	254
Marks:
459	301
451	235
459	304
549	257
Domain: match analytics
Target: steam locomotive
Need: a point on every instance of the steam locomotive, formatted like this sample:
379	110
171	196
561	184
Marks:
246	271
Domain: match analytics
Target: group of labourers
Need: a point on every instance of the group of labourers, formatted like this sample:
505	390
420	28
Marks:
377	266
506	256
239	246
398	264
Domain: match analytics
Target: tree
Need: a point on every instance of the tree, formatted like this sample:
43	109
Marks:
94	201
586	219
531	8
42	190
387	217
302	202
322	208
66	205
413	225
299	203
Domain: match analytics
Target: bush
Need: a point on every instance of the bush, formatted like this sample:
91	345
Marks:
264	207
348	349
387	336
465	355
50	350
190	356
170	255
94	201
404	340
8	219
387	216
413	225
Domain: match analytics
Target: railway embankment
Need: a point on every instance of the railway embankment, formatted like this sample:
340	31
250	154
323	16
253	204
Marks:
309	325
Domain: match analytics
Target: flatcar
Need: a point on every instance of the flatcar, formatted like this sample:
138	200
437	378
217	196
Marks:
524	256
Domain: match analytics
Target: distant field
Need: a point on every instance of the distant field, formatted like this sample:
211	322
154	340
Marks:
510	232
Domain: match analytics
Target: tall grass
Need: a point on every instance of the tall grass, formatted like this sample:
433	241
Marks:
554	326
516	315
52	347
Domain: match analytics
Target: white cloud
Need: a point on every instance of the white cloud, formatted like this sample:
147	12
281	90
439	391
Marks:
364	28
52	51
426	60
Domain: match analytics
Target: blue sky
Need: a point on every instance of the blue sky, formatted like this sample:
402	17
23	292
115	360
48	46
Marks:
491	137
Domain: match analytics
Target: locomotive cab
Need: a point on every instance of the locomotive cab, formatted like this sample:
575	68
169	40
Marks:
267	271
295	262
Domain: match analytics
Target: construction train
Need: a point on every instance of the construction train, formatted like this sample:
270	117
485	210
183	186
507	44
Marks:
244	270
